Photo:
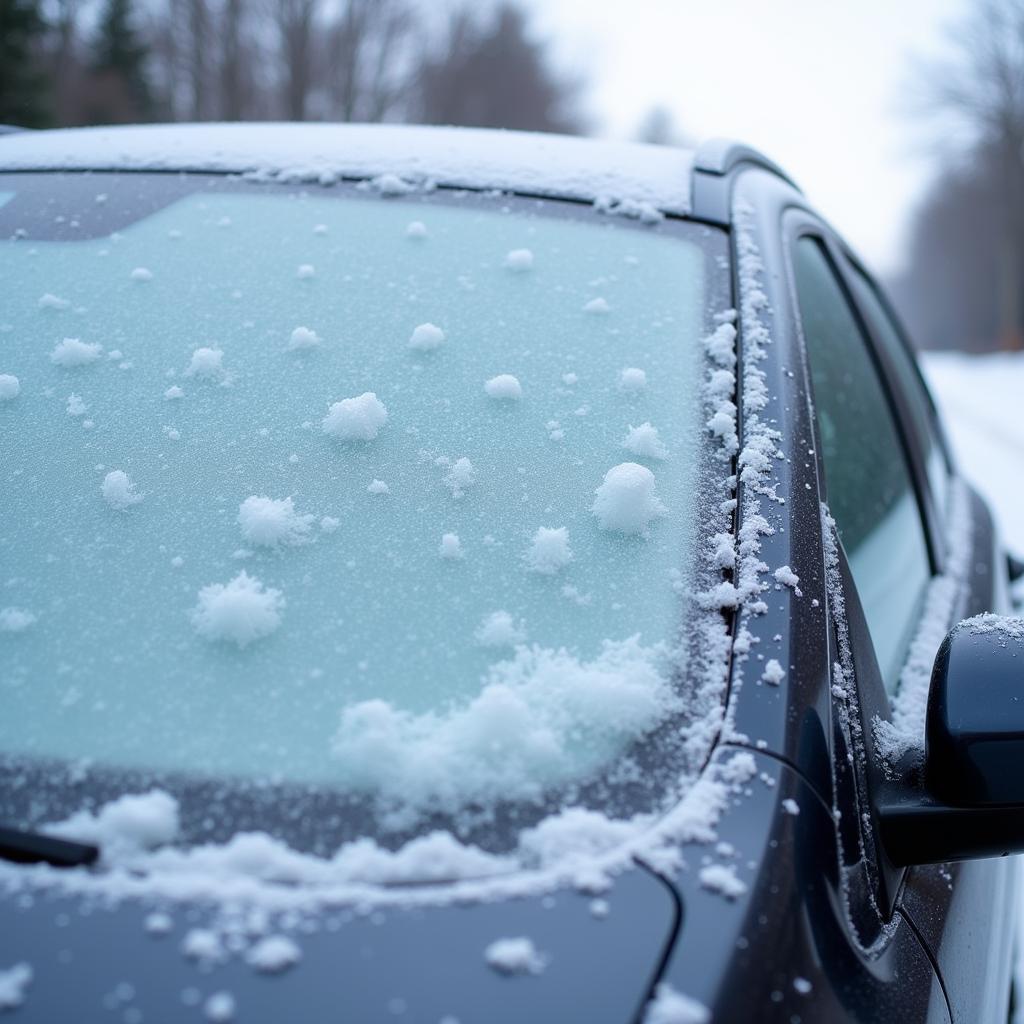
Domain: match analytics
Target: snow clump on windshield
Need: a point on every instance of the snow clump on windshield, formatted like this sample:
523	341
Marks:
206	364
461	474
15	620
627	500
542	718
72	352
240	611
549	550
504	386
450	546
51	301
134	821
10	387
597	306
270	522
173	393
519	260
377	487
305	271
426	337
644	442
515	956
633	379
118	490
499	629
303	338
416	229
75	405
141	274
356	419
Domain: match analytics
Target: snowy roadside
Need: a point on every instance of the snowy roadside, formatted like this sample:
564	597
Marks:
981	398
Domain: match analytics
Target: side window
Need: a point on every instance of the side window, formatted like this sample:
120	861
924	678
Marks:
867	478
911	384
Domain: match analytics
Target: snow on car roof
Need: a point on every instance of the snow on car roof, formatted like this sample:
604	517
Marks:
529	162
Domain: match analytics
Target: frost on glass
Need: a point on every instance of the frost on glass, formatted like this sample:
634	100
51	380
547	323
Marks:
262	523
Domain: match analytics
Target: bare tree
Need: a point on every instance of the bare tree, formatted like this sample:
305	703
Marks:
494	74
368	60
980	89
293	21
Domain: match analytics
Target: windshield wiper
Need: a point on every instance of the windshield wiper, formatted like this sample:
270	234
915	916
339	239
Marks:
26	847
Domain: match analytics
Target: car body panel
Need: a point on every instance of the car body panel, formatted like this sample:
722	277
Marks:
414	965
726	955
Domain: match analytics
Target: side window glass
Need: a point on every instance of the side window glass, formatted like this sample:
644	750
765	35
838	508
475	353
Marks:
911	384
867	478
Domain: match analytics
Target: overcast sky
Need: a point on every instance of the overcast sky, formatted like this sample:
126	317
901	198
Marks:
815	84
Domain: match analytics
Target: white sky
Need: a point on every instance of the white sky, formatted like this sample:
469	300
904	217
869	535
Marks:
815	84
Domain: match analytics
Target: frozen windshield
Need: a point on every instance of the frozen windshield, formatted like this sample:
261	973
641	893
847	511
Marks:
396	500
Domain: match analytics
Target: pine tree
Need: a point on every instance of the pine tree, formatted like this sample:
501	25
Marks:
23	86
119	65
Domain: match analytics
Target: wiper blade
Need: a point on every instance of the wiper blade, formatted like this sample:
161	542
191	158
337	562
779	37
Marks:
26	847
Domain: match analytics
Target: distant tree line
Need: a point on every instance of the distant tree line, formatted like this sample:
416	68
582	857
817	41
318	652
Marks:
75	62
963	286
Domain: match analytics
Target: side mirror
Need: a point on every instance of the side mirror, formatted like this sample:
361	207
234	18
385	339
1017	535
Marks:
972	801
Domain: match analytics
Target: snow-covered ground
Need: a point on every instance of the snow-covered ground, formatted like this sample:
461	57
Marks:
982	403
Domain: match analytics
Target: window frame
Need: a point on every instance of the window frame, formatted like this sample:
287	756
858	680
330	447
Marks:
802	226
847	265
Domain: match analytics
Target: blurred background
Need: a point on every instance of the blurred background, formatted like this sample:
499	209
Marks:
903	123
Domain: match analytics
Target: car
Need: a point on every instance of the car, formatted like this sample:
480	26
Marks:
461	575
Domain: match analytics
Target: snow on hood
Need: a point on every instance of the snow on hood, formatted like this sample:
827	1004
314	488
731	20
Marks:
643	176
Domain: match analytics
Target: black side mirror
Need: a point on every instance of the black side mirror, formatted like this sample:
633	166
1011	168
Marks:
972	802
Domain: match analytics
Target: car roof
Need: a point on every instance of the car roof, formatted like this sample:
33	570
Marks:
527	162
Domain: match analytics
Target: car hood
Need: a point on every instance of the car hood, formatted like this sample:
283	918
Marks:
95	961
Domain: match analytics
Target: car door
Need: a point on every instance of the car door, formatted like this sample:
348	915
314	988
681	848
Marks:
887	488
965	912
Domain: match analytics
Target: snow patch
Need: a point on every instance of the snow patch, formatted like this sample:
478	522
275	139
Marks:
549	550
450	546
270	522
15	620
774	673
519	260
672	1007
598	306
118	490
515	956
542	718
461	474
51	301
377	487
627	500
721	878
426	338
136	821
10	387
499	629
274	954
303	338
173	393
240	611
141	274
356	419
504	386
632	378
206	364
14	983
75	406
644	442
73	352
416	229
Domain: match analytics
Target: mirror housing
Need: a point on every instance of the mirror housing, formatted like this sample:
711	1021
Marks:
972	801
